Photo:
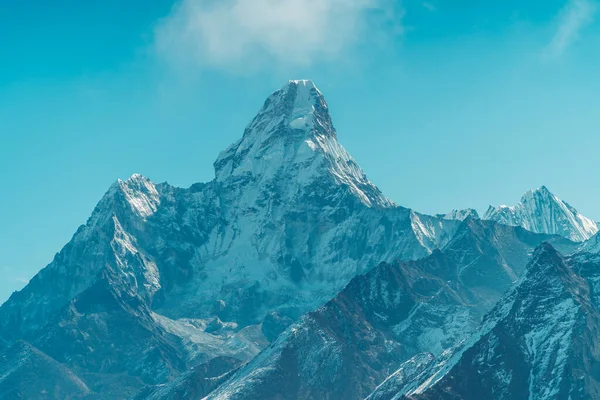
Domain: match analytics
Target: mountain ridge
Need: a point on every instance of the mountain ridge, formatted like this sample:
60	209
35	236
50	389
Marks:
538	342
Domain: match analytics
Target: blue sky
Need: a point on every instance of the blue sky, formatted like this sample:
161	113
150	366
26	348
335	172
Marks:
445	104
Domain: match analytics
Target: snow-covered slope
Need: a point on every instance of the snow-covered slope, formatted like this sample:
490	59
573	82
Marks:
293	136
539	342
542	212
385	318
288	221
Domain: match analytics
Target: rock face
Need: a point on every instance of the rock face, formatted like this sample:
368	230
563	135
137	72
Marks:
539	342
541	211
287	222
383	321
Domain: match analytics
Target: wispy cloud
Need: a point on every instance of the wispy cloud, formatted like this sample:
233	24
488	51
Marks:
575	15
429	6
236	34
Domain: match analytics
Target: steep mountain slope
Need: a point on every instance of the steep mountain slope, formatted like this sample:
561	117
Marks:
27	373
388	316
408	372
194	384
539	342
542	212
288	221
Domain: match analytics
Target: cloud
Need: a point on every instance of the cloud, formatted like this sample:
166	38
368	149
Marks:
575	16
236	34
429	6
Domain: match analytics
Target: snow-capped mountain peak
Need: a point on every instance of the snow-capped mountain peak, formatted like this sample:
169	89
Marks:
136	196
541	211
141	194
293	139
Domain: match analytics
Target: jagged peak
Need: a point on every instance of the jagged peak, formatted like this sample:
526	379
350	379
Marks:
141	194
302	89
543	250
548	268
541	211
305	82
134	178
137	191
298	105
293	137
540	193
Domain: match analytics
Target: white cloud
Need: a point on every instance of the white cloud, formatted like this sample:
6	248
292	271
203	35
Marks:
575	16
429	6
236	34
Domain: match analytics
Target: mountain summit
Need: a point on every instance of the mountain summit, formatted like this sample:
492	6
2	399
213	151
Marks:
541	211
293	140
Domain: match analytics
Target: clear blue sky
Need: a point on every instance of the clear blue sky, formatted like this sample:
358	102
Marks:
445	104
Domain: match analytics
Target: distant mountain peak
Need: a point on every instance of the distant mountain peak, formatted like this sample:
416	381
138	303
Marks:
460	215
541	211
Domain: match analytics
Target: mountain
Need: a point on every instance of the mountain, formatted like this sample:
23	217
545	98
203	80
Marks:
161	279
542	212
290	276
539	341
27	373
390	320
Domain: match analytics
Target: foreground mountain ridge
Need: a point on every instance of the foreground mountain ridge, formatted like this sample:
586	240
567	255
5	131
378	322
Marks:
539	342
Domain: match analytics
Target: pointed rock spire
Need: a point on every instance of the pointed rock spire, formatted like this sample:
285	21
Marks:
293	139
541	211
